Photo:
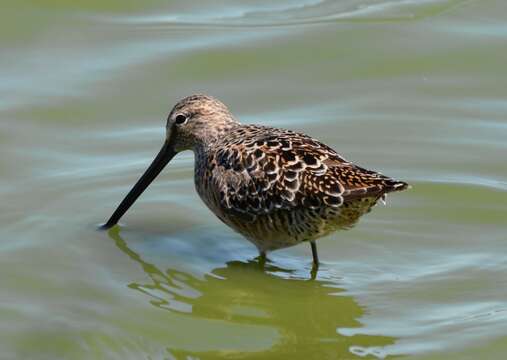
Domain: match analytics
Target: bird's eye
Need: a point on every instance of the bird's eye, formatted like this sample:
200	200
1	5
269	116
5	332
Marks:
181	119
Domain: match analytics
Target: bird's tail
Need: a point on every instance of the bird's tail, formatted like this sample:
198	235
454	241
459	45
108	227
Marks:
395	185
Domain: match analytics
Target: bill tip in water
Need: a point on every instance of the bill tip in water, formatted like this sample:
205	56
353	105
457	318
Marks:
106	226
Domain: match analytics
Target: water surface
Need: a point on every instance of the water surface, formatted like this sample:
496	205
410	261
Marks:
415	89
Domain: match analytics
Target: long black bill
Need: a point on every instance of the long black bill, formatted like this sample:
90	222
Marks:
164	156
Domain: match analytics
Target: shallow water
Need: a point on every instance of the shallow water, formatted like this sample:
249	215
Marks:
415	89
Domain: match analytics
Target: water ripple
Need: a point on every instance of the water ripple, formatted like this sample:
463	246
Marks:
311	12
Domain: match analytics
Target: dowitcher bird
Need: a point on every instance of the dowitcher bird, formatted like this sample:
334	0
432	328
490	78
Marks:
276	187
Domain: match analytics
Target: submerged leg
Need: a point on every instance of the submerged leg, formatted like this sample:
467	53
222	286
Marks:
262	259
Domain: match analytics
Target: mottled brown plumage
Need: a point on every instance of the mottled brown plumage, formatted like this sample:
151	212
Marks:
276	187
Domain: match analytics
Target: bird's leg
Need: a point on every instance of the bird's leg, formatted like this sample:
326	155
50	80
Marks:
314	254
315	265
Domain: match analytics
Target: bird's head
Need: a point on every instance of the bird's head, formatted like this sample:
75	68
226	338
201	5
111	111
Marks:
197	120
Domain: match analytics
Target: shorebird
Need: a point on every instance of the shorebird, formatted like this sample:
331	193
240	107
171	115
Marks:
275	187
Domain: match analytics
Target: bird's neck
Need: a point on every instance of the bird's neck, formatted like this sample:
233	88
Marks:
211	136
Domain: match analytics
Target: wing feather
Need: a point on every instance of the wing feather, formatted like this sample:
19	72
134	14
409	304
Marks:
280	169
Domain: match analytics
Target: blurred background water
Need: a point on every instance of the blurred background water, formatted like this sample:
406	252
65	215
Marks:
413	88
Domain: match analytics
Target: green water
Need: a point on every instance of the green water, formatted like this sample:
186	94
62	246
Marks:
415	89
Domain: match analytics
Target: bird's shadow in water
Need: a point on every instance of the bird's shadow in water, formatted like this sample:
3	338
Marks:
306	314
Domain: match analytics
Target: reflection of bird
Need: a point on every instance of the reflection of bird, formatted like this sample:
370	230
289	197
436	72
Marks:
239	301
276	187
